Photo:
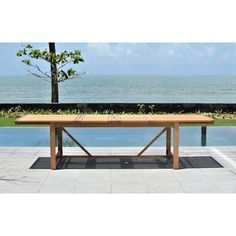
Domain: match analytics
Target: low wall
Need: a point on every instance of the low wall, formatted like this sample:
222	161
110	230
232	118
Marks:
128	107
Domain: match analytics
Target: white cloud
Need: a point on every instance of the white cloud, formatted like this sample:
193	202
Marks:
210	51
99	49
124	56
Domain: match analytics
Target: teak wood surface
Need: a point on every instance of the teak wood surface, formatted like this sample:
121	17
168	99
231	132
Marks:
114	120
59	122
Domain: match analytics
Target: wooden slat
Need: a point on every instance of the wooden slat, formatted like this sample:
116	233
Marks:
46	119
181	118
93	119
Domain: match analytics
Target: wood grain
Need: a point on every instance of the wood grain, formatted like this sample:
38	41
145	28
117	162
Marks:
115	120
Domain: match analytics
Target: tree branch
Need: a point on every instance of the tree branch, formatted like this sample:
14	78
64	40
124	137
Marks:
43	73
72	77
62	65
39	76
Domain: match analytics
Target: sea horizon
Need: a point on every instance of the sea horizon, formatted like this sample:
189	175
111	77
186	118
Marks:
122	88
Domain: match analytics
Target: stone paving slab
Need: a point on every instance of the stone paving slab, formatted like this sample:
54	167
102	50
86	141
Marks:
114	177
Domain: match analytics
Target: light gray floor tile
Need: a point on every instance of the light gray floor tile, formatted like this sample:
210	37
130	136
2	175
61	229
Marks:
126	176
91	180
56	189
227	187
196	187
165	188
135	187
95	188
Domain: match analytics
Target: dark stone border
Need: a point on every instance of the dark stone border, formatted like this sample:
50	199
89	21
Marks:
128	107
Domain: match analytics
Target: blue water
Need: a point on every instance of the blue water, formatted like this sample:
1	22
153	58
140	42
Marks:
123	88
189	136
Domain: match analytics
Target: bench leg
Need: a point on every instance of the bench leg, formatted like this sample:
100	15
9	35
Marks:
60	142
53	160
176	146
168	141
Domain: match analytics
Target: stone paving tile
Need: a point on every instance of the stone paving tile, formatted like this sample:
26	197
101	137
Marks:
26	188
4	154
39	175
156	177
221	181
94	172
93	188
60	181
98	181
171	187
63	175
93	180
128	181
226	186
97	174
6	172
19	184
228	183
126	187
233	157
12	166
191	177
56	189
220	175
199	187
127	176
150	172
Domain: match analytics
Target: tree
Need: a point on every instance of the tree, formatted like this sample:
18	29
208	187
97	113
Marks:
59	65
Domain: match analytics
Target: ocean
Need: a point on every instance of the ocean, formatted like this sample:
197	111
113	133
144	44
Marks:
122	89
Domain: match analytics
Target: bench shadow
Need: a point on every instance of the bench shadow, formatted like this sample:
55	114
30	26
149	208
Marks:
127	163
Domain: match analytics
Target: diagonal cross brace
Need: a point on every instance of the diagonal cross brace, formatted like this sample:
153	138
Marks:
75	141
151	142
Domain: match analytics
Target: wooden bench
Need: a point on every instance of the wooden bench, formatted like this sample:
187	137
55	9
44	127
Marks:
58	124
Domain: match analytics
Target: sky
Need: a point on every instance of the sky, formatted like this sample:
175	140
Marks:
136	58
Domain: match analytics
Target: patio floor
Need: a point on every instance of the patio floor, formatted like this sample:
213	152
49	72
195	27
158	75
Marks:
203	170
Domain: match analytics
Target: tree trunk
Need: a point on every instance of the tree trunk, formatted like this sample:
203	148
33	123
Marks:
54	83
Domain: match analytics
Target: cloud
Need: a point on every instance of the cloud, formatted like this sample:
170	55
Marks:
156	56
99	49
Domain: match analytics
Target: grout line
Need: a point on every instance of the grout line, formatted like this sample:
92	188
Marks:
228	160
77	179
210	180
111	182
43	181
181	186
145	182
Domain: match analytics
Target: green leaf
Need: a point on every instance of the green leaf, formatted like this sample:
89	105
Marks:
27	62
30	55
19	54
